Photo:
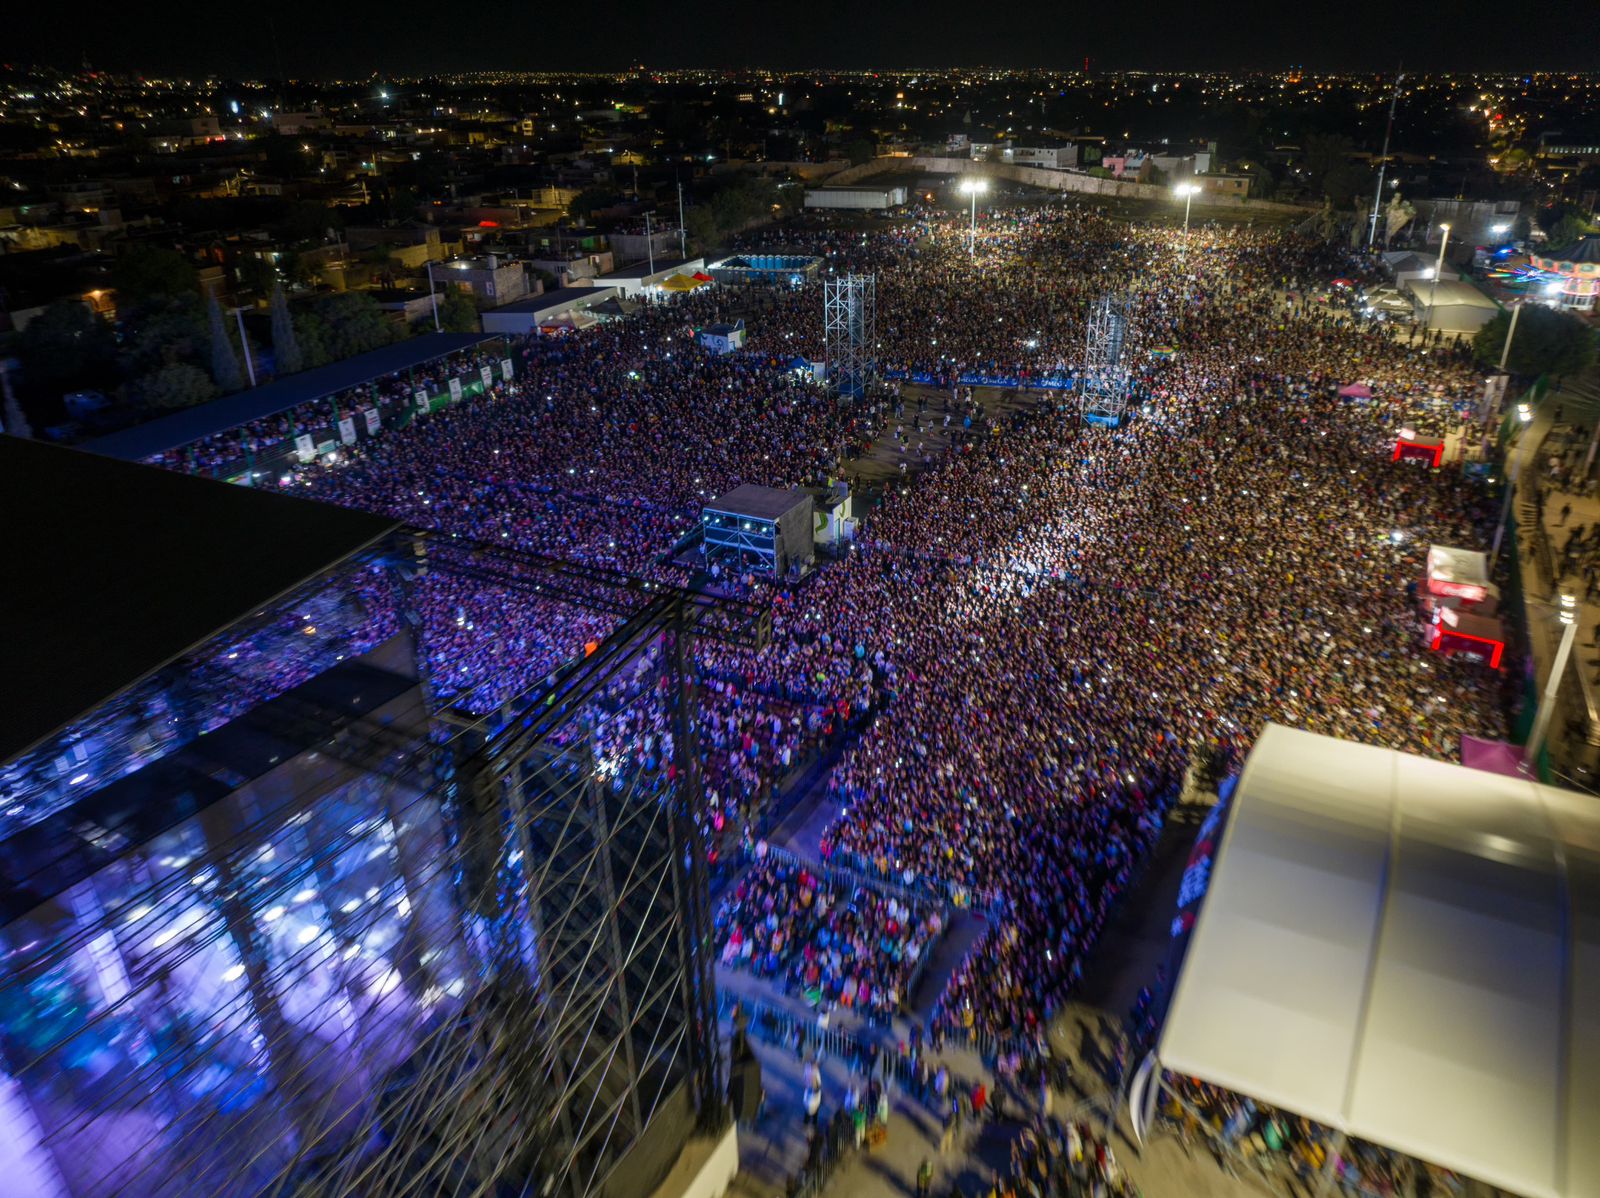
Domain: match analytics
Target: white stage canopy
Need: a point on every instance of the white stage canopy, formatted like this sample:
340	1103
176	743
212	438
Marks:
1409	952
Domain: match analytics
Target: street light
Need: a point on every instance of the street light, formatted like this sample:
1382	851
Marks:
433	296
1187	191
244	343
1433	289
1511	331
973	188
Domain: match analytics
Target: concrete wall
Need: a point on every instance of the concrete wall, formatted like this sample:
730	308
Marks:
704	1169
1033	176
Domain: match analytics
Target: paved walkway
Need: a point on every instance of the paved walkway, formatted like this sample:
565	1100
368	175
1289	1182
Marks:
1545	442
880	466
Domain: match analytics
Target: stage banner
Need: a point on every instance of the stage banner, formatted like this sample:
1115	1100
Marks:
455	390
305	448
347	430
505	369
488	376
373	422
422	400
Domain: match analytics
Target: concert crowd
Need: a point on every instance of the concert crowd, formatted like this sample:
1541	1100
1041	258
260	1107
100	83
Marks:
1037	633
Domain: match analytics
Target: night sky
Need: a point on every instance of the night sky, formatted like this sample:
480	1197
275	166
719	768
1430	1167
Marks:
354	38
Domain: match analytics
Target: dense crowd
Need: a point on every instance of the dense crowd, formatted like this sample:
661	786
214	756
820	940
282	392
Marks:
1039	632
234	450
852	947
1279	1142
1052	1159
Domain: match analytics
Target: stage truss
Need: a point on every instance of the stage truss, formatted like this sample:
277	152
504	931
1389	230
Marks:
516	995
850	333
1104	382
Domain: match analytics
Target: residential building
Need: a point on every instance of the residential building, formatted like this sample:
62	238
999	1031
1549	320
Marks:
491	279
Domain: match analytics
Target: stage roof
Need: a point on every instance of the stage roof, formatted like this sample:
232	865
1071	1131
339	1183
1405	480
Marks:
181	428
759	503
119	568
1407	951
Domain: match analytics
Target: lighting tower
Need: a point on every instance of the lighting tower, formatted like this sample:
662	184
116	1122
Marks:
1104	382
850	333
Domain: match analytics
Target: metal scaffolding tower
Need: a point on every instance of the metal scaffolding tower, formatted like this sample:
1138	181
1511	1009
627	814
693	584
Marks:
850	333
1104	382
474	960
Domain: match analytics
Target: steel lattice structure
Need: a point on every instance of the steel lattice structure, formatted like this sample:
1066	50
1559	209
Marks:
850	333
476	961
1104	380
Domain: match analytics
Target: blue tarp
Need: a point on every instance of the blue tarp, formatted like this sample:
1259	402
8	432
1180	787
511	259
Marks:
192	424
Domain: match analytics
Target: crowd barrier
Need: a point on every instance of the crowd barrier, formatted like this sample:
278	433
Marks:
926	888
847	880
927	378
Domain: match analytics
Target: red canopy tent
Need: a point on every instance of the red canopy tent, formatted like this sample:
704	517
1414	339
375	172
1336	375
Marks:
1408	446
1459	632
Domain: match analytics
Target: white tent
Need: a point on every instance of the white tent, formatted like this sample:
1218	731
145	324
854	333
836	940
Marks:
1409	952
1452	564
1457	307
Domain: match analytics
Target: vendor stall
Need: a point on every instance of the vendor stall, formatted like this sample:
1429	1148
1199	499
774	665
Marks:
1459	578
1412	446
1464	634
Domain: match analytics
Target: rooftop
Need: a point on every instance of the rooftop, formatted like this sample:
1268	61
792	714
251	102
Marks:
556	298
757	502
219	415
639	270
121	568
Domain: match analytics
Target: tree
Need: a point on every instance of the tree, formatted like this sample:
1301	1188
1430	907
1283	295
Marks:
1397	216
67	347
1329	169
860	151
583	205
255	274
224	362
175	385
307	220
1568	229
15	421
341	326
1547	342
1515	159
163	330
701	225
150	271
285	345
458	312
401	203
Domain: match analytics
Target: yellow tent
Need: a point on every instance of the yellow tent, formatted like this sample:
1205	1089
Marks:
681	282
